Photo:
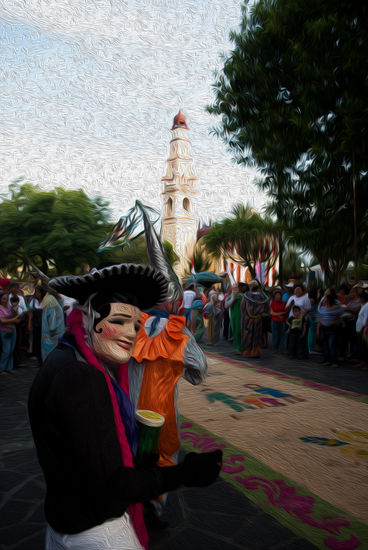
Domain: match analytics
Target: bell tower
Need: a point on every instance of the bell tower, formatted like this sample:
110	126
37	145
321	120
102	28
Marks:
179	225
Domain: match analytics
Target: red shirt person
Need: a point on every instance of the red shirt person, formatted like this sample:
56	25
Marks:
278	319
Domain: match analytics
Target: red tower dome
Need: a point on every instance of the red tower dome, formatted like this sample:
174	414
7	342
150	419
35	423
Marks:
179	121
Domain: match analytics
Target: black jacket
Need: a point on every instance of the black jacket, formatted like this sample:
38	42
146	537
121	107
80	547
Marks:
74	431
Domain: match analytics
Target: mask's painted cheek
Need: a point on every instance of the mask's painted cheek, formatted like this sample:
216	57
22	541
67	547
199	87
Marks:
108	332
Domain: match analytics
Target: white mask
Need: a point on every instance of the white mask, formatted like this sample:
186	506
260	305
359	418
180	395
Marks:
114	337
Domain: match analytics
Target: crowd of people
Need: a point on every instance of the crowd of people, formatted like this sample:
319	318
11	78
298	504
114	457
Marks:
299	322
30	324
332	322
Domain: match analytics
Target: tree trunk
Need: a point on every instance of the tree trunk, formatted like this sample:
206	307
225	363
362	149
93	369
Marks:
281	263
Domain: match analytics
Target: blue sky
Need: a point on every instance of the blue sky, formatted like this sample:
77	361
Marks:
89	91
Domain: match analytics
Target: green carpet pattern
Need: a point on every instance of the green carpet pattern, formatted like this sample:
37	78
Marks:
307	515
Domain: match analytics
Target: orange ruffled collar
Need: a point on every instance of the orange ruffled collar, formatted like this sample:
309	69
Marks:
169	343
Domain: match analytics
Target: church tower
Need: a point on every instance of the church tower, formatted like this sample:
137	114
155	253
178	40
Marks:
179	225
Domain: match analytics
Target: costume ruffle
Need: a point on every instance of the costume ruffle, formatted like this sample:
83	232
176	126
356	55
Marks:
169	343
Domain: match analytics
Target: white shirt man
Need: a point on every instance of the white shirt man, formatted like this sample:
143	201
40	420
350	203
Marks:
362	320
300	299
188	298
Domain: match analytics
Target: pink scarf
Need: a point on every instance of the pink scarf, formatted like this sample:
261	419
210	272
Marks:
75	326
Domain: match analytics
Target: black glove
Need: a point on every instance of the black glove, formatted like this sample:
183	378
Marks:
147	461
200	470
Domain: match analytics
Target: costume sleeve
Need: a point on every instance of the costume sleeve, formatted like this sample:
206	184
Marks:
79	403
230	300
195	362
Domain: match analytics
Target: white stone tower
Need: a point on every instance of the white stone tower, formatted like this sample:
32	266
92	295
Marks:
179	225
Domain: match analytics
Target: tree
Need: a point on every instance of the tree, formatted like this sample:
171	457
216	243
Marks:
292	97
292	261
58	231
200	261
171	255
246	238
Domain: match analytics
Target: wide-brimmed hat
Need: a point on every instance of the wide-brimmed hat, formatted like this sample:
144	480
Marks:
144	285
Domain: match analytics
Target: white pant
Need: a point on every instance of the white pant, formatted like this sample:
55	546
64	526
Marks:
115	534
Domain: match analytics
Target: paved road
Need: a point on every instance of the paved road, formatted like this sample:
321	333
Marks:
219	517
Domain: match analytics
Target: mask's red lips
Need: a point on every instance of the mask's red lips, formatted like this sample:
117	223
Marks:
124	344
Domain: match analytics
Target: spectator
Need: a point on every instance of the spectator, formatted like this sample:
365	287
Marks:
266	320
189	295
7	334
362	330
288	293
342	294
278	320
21	342
214	315
349	318
320	294
225	310
52	324
14	305
15	290
328	329
312	320
36	321
300	299
297	334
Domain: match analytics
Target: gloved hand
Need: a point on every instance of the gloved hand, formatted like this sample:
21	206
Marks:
149	460
200	470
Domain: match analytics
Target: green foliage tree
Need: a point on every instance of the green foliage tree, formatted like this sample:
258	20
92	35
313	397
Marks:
171	255
292	261
292	97
58	231
245	238
200	260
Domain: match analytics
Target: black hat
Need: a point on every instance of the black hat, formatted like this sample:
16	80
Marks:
142	285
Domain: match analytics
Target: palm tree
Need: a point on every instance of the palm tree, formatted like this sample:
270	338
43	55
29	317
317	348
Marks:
200	260
292	260
246	238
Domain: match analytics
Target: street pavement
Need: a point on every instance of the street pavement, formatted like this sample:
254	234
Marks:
220	517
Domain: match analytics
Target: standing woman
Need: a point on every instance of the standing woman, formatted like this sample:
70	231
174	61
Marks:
214	312
8	334
252	307
36	309
328	329
278	320
197	325
53	325
232	303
